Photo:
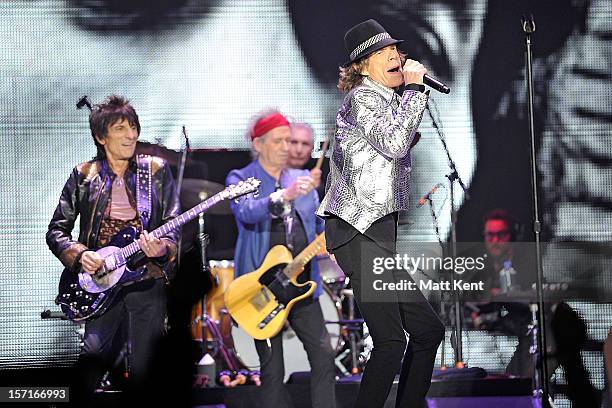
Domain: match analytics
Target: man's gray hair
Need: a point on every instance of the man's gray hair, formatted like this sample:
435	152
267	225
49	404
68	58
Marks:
306	126
251	128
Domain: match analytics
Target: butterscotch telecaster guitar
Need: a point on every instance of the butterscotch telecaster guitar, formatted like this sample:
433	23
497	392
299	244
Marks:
260	301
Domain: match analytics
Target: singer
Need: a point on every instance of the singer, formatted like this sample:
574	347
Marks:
368	185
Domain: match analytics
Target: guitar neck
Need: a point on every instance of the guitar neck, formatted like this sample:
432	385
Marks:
298	263
175	223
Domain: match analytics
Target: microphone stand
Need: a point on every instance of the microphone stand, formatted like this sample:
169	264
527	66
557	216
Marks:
541	389
452	177
179	185
204	240
442	308
435	219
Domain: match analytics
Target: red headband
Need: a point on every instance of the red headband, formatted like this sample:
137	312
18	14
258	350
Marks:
264	125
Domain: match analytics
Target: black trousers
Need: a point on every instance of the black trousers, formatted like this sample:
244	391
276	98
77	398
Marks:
135	320
387	322
306	318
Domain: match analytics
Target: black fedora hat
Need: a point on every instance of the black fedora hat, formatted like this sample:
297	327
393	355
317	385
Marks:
365	38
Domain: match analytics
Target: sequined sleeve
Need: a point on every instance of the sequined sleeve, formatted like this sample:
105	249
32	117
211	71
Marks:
389	130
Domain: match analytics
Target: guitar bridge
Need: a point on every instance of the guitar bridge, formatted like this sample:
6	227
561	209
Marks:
119	259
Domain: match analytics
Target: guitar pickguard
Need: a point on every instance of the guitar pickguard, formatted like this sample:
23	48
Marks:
281	287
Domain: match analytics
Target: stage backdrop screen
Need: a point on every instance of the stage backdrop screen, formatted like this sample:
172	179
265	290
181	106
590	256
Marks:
211	65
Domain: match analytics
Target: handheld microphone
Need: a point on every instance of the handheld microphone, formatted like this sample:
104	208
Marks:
84	101
435	84
186	139
424	199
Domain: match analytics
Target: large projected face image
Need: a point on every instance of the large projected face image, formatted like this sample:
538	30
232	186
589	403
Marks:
211	65
206	65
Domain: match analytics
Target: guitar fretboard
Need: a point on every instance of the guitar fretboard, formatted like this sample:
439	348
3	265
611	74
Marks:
175	223
298	263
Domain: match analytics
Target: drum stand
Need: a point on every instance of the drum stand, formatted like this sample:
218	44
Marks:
219	347
351	331
352	326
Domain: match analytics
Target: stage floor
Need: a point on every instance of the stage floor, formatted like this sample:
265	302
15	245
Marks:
457	393
486	392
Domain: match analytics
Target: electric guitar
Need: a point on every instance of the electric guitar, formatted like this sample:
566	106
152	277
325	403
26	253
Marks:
83	296
260	301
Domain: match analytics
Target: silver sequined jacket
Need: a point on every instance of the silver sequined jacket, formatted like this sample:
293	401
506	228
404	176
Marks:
370	164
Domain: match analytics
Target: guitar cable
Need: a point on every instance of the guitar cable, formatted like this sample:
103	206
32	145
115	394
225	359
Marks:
269	356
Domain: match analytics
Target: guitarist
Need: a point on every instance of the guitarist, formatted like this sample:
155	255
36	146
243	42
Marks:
283	214
103	193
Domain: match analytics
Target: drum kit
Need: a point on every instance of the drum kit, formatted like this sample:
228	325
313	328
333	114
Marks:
233	349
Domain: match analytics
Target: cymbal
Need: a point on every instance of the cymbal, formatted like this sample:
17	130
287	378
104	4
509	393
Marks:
194	191
171	156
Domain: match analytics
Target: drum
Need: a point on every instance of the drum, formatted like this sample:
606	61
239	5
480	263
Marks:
331	274
222	274
293	351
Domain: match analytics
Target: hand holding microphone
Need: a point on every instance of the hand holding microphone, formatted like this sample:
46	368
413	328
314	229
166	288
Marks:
415	73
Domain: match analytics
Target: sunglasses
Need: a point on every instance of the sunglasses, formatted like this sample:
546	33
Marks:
500	234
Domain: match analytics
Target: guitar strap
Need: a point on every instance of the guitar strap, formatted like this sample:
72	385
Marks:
143	189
